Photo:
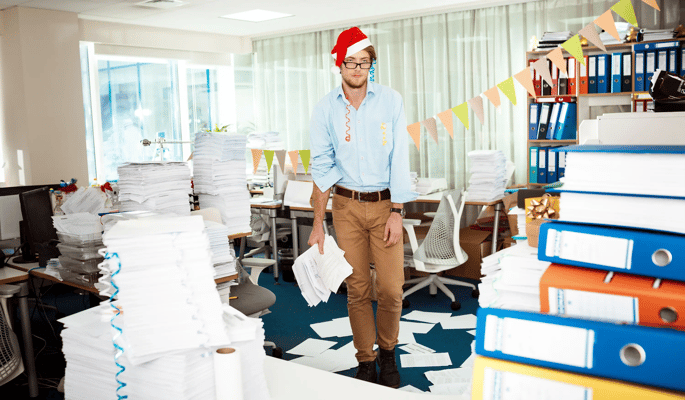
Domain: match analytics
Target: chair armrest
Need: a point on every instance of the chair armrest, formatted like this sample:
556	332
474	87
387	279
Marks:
412	222
430	214
257	265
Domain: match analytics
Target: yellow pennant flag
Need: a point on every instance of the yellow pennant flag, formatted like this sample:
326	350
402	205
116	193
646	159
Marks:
590	33
256	158
446	118
493	95
525	80
476	105
507	87
304	155
624	9
269	155
574	48
557	58
294	159
415	133
462	112
653	4
606	22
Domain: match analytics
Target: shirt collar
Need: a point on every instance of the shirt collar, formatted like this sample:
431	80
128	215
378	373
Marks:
370	88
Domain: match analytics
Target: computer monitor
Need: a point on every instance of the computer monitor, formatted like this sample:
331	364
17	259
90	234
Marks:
36	211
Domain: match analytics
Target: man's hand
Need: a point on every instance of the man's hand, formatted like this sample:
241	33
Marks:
393	229
317	237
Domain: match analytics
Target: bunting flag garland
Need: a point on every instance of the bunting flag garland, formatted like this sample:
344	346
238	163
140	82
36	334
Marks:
280	155
624	9
256	158
431	127
556	56
507	87
294	159
590	33
525	80
415	133
462	112
653	4
543	70
446	119
269	155
476	105
606	22
493	95
304	156
574	48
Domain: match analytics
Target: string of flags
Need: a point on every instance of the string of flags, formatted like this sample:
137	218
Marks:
294	155
624	9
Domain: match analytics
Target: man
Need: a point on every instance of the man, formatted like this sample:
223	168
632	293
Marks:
360	151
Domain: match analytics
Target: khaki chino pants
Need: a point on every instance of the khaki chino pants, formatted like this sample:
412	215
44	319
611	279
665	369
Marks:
360	227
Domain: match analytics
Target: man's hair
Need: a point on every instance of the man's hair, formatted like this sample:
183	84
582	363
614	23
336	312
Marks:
372	53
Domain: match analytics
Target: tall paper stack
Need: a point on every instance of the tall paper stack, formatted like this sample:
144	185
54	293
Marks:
223	256
220	180
488	175
155	186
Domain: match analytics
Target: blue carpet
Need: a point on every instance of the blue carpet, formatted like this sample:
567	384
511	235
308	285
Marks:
289	324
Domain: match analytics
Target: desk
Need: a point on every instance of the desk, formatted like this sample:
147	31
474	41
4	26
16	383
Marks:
271	210
15	276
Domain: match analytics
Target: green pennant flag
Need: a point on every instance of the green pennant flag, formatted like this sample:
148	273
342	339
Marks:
624	9
304	155
269	155
507	87
574	48
462	111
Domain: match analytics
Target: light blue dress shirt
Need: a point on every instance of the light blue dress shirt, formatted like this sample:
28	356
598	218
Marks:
377	155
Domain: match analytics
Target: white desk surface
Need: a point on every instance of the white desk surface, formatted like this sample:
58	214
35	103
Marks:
9	275
291	381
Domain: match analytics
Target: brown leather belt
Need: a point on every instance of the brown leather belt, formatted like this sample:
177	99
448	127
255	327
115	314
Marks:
362	196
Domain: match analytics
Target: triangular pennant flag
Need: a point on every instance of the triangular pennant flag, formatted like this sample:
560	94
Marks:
304	155
294	159
606	22
462	112
590	33
280	156
431	127
269	155
574	48
557	58
542	69
256	158
653	4
415	133
507	87
624	9
525	80
493	95
446	119
476	105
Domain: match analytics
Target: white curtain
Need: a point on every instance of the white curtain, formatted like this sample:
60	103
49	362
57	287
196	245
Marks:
436	62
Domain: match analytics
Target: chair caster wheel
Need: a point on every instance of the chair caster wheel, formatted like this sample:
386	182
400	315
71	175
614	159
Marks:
455	306
405	303
277	353
475	294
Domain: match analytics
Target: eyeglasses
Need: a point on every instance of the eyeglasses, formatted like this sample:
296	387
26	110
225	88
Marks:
354	65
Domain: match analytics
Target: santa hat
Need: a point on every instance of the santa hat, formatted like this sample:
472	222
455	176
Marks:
349	42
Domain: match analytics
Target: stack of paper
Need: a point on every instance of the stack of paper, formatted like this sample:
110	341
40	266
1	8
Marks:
512	279
488	175
551	40
89	200
520	223
265	141
414	178
219	178
82	223
155	186
319	275
430	185
223	256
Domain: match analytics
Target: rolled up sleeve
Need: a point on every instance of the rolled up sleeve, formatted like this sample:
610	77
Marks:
400	183
324	170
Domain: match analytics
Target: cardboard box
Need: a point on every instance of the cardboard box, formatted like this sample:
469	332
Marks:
476	245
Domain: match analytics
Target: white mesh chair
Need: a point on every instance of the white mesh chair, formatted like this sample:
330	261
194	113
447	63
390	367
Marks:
10	355
440	250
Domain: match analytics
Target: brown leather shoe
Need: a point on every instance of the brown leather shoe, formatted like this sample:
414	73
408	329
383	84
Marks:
389	375
366	371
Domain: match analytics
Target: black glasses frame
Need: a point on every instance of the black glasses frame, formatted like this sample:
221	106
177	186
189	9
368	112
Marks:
354	65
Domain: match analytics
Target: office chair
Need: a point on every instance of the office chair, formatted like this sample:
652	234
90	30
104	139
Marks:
439	251
11	364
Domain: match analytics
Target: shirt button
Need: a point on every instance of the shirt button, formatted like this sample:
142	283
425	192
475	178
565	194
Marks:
360	140
362	158
359	121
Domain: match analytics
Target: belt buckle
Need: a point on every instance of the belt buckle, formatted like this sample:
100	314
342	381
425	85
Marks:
368	193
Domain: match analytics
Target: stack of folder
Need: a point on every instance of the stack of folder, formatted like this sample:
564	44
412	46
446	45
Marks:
488	179
155	186
220	179
649	57
614	293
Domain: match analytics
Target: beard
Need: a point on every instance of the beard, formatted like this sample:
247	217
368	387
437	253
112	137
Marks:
354	84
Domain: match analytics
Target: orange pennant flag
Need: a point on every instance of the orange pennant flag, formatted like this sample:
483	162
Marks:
557	58
653	4
415	133
606	22
525	80
476	105
256	158
446	119
542	69
493	95
294	159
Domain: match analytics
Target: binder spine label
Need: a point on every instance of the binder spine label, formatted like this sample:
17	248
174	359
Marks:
505	385
592	249
595	306
540	341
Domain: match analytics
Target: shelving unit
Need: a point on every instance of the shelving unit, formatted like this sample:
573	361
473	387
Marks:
587	100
